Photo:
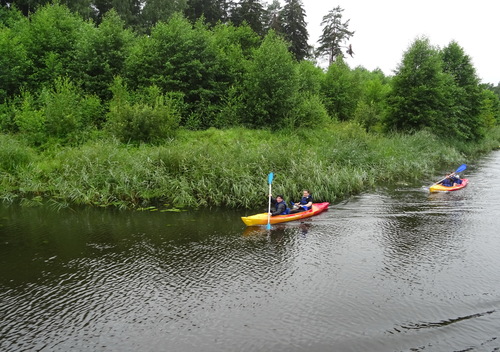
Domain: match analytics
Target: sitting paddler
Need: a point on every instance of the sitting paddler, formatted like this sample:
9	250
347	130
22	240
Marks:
305	202
456	179
279	206
451	180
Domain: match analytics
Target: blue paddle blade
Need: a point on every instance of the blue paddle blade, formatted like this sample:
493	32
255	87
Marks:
461	168
268	226
270	178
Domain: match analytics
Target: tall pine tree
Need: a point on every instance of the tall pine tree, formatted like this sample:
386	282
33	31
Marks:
272	19
155	11
294	28
249	11
212	10
335	34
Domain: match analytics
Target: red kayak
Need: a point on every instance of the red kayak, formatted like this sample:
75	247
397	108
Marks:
440	188
262	218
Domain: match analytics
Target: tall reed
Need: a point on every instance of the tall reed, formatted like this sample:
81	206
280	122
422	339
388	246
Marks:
229	167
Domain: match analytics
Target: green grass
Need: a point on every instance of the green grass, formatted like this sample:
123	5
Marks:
226	168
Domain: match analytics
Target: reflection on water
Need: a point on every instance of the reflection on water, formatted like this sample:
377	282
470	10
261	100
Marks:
396	270
279	230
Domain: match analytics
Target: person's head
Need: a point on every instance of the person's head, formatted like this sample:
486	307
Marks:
306	192
279	198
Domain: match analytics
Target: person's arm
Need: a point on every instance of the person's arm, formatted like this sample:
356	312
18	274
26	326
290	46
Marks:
310	202
273	202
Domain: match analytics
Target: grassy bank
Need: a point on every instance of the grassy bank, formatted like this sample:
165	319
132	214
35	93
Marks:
225	168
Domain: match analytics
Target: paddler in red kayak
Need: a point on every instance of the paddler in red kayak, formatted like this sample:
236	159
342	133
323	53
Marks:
304	204
451	180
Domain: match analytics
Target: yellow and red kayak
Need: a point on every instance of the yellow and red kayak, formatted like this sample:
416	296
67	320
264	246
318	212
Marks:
261	219
441	188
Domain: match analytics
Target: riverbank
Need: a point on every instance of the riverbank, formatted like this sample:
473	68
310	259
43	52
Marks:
226	168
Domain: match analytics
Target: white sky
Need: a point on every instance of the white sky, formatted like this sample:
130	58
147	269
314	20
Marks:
385	29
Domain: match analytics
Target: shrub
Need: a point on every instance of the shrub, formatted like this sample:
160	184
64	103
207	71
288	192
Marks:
13	154
30	121
59	114
310	112
154	117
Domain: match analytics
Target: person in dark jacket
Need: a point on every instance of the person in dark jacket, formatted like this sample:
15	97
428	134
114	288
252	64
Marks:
446	182
305	202
451	180
279	205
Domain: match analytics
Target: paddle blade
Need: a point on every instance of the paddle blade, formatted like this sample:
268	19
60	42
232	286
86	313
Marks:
268	226
461	168
270	178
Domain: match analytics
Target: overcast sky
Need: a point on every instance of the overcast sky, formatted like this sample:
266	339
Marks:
385	29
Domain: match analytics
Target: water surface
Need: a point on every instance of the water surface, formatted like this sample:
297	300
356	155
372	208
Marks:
398	269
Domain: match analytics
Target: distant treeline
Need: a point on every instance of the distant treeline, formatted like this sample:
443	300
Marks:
65	79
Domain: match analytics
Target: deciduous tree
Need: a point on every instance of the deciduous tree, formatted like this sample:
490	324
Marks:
14	64
270	85
467	95
50	40
420	90
101	55
340	91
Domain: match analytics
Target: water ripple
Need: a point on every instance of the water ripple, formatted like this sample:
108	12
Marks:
377	272
442	323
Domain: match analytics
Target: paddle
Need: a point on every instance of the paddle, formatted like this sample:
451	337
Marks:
270	181
457	171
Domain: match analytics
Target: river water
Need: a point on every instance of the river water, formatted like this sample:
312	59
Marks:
398	269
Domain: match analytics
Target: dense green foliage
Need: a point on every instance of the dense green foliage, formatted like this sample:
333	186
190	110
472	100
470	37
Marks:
439	90
341	90
419	96
112	112
270	87
223	75
101	55
151	117
465	94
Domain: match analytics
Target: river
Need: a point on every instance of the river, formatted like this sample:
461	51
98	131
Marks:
397	269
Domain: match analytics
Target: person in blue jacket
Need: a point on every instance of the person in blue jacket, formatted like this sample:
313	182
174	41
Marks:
279	205
446	182
305	202
451	180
